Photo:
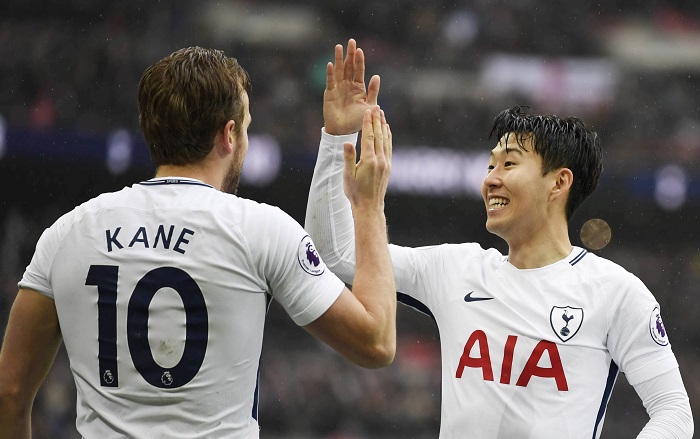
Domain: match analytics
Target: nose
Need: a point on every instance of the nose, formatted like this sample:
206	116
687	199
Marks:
493	178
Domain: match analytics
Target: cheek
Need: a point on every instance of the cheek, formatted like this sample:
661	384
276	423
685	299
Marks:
243	144
538	192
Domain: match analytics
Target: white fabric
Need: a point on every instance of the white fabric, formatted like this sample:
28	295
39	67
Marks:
667	404
510	368
236	252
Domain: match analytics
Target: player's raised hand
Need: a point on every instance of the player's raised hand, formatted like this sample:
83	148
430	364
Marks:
366	181
346	98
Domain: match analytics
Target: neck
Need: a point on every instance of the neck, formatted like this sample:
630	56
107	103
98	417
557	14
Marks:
196	172
541	249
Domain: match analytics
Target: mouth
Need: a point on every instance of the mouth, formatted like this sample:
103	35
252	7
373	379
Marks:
496	203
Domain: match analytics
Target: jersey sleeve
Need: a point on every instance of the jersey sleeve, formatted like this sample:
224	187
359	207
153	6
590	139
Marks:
667	404
330	223
328	212
293	270
637	338
37	275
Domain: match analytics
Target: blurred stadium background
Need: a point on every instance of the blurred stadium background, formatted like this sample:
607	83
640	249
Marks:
630	69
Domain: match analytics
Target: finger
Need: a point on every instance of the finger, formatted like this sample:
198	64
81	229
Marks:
377	129
386	131
349	66
368	135
330	76
388	141
338	63
381	149
350	159
389	146
359	75
373	90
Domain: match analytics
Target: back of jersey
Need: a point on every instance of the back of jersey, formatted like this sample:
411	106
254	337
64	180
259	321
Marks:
161	307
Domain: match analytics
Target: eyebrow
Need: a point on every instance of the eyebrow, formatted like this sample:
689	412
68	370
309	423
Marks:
517	149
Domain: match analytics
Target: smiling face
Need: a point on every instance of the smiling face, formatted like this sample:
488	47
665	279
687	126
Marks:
515	192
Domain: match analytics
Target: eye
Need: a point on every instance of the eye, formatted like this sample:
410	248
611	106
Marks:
490	168
507	164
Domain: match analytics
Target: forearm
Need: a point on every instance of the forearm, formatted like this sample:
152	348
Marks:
31	341
669	424
329	218
361	324
668	407
15	420
373	283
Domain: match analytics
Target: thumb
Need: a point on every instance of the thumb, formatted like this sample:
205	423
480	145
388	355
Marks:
350	156
373	90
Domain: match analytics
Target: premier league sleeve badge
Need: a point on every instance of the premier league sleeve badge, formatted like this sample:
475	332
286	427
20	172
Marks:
656	328
308	257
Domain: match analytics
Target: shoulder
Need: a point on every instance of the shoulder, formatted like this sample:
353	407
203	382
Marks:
604	269
463	254
66	221
225	202
107	200
613	279
267	226
253	213
473	250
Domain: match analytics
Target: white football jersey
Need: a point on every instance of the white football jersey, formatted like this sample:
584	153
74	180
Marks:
532	353
161	291
527	354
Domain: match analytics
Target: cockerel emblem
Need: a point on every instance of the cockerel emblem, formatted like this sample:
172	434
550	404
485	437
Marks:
566	321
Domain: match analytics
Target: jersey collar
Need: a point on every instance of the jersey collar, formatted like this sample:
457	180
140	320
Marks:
174	180
577	253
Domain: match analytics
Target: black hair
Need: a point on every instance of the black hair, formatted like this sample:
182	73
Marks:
561	142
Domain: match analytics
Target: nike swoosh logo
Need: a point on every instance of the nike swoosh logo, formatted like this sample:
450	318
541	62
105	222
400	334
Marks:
469	298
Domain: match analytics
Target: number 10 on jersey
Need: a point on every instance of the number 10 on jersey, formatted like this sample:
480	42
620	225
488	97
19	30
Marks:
105	278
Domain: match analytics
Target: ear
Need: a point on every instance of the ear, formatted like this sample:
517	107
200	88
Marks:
563	178
228	137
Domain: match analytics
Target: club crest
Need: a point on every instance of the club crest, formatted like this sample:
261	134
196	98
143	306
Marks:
657	328
565	321
309	258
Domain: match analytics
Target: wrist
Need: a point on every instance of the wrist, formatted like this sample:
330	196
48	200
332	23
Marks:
337	138
336	131
368	212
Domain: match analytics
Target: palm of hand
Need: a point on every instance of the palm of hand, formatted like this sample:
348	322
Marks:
344	106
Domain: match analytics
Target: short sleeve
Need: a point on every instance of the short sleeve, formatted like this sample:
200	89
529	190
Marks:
37	275
294	271
637	338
